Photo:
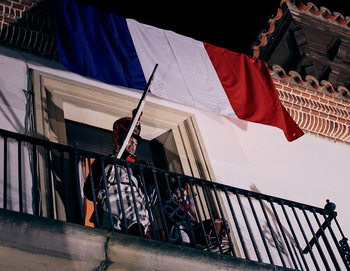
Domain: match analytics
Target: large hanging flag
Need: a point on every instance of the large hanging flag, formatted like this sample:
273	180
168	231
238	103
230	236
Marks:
123	52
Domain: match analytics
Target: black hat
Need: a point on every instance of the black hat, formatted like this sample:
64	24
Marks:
121	126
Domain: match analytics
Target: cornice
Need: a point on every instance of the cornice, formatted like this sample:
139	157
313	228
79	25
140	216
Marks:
316	107
310	9
264	35
322	12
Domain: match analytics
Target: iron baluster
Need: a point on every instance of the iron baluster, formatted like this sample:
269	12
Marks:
105	186
36	188
248	226
77	183
316	240
186	212
20	176
325	240
224	222
345	250
206	198
305	238
51	184
338	245
263	237
318	234
295	237
5	173
156	186
236	223
272	232
124	224
147	201
283	233
92	183
65	185
202	228
344	245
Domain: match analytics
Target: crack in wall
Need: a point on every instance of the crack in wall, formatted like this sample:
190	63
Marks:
107	262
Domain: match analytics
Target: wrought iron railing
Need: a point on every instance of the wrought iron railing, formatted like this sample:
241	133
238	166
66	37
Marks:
47	179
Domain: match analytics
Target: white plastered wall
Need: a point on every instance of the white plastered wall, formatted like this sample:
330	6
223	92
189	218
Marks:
13	85
309	170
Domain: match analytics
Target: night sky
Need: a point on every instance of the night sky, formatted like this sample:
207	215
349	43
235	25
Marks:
234	25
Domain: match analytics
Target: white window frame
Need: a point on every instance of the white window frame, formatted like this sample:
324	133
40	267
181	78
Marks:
58	99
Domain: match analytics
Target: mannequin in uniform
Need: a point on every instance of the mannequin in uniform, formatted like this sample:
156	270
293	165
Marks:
120	128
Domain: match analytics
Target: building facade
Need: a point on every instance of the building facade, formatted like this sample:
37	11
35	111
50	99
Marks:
41	98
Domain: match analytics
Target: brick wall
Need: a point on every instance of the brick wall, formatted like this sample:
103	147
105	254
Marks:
317	109
29	27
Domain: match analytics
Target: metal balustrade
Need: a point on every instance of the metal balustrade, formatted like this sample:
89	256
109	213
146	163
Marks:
47	179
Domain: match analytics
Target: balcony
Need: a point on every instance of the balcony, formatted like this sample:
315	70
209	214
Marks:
44	218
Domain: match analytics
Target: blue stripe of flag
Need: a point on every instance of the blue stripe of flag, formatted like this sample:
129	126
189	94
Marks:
97	44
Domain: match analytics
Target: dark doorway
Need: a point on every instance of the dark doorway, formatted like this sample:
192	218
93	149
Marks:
99	140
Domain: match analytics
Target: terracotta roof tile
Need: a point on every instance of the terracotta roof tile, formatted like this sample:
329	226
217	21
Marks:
308	8
323	87
315	106
322	11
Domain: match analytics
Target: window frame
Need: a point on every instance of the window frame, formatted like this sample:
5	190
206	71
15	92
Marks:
58	98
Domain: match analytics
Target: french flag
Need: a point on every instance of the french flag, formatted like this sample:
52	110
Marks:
118	51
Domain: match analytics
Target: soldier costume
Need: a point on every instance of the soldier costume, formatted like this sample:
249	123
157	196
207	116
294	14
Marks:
123	199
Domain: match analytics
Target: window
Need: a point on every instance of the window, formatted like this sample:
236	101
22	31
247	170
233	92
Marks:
60	102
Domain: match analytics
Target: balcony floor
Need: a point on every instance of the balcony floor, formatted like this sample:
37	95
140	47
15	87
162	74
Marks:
30	242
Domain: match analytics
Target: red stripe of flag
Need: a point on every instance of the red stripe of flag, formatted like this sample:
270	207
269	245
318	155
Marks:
251	91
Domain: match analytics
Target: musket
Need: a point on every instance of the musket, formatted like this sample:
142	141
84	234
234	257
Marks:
136	115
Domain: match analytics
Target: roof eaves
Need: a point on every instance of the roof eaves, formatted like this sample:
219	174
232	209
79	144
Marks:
310	8
341	93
